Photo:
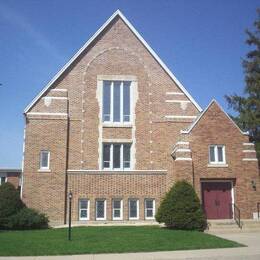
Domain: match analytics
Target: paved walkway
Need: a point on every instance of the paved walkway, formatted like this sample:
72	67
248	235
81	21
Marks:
252	252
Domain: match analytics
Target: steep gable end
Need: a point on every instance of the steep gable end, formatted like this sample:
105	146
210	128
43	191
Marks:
212	110
91	40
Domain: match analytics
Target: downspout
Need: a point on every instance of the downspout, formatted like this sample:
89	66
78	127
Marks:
66	166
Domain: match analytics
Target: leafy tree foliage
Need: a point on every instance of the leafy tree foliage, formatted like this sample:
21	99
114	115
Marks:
10	203
248	106
181	209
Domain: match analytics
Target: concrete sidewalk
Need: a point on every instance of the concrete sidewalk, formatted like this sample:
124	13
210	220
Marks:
252	252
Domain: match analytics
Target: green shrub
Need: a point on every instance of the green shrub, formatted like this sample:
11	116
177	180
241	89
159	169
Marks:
181	209
10	203
28	218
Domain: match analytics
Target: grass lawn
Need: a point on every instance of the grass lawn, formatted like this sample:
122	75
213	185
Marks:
86	240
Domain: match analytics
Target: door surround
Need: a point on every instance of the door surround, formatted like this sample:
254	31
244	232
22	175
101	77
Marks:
231	181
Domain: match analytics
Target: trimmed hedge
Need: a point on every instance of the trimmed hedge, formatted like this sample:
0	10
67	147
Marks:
28	218
181	209
10	203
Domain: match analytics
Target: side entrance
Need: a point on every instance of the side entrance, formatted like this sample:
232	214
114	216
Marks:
217	199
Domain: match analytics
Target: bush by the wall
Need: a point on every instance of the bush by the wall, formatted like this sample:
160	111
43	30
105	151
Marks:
181	209
28	218
10	203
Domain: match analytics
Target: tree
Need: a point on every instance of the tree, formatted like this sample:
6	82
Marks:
181	209
10	203
248	106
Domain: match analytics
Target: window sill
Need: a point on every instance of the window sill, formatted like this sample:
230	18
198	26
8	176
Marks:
44	170
129	125
218	165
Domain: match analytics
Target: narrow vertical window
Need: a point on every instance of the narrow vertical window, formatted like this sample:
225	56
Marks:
106	156
212	154
101	209
83	209
117	101
117	209
116	156
126	101
44	160
133	209
220	153
126	156
149	208
106	101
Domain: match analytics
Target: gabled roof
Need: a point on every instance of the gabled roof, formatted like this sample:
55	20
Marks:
117	13
187	131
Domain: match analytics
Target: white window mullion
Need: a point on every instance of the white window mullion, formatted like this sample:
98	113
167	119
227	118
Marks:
112	101
111	157
121	103
121	156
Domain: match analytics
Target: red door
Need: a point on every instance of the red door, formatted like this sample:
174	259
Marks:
217	200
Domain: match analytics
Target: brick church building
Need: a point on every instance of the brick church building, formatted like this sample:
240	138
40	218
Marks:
117	129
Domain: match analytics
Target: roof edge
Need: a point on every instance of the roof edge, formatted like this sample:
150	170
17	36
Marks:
204	111
93	37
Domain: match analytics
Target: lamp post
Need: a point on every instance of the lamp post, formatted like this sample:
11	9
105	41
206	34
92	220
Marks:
70	198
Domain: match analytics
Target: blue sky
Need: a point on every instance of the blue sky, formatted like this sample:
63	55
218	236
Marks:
202	42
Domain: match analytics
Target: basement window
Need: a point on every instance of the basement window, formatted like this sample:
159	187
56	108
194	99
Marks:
133	209
149	208
217	154
83	209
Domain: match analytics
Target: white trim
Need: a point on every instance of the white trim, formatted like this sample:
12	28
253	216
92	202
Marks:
115	14
250	159
183	159
88	207
218	165
46	114
137	210
181	142
70	170
178	117
249	151
121	209
59	89
105	209
182	150
248	144
174	93
201	115
50	97
176	101
145	209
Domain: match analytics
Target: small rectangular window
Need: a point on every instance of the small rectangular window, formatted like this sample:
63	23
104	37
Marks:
133	209
149	208
83	209
217	154
45	160
101	209
117	209
106	101
106	156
